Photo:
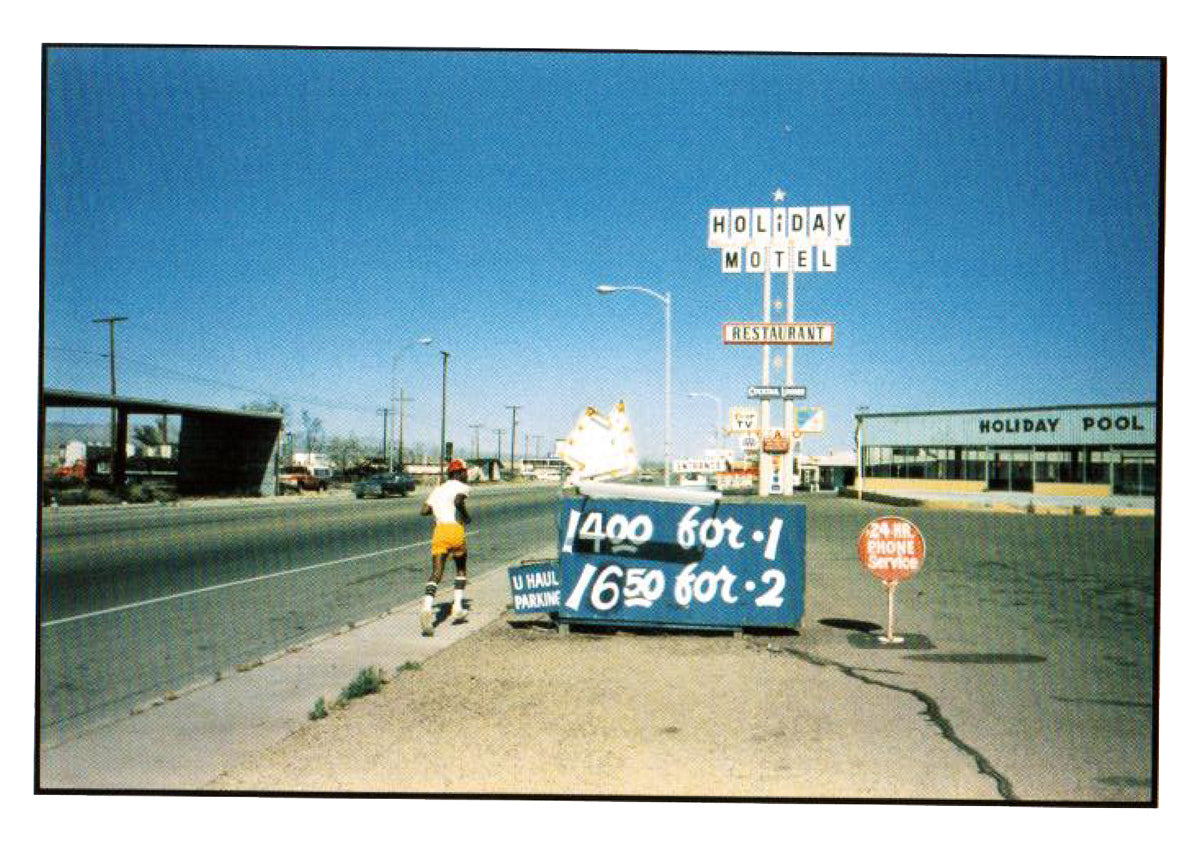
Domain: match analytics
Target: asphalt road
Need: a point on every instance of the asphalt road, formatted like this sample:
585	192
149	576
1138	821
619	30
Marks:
1029	653
1030	644
141	600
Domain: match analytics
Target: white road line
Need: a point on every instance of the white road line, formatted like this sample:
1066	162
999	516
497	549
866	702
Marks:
213	587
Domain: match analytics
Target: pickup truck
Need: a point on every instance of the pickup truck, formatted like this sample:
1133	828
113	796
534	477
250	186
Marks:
299	479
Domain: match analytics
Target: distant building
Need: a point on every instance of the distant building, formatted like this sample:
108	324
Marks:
73	452
312	461
1093	450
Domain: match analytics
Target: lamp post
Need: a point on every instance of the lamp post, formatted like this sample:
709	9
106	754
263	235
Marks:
442	452
477	427
398	419
116	465
665	298
717	400
512	444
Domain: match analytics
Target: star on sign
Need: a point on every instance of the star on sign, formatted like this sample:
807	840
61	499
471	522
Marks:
780	195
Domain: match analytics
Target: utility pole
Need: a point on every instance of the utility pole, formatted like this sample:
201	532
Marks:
384	412
112	383
526	446
400	424
442	452
512	446
499	455
476	427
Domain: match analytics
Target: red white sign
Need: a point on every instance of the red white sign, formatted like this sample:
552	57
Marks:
891	549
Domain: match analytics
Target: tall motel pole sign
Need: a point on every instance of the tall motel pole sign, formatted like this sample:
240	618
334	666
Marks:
778	239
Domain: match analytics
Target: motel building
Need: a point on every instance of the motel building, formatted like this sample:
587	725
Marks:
1101	450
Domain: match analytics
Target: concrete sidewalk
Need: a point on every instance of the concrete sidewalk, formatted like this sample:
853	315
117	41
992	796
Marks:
187	741
1015	502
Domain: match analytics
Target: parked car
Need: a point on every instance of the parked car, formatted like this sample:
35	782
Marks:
300	478
385	484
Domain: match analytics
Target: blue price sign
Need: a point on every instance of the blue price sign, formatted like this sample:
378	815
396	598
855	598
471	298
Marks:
675	564
534	588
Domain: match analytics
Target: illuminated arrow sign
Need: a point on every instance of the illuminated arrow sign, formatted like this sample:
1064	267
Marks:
777	333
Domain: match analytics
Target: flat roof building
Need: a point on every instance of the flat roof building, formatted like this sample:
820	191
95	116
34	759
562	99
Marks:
1093	450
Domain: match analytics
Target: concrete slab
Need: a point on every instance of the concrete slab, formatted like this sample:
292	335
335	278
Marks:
1011	502
187	742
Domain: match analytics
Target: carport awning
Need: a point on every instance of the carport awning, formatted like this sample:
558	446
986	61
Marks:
59	398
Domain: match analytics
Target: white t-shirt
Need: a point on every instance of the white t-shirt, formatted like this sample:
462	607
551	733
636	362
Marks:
442	500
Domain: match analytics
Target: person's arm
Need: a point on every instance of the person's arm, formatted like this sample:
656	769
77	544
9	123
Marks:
460	505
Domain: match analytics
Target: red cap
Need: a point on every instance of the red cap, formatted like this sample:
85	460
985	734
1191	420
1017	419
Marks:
455	465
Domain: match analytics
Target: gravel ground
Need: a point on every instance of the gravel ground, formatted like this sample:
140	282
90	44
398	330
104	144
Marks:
524	710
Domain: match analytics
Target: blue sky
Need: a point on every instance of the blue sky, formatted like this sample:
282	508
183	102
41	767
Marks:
284	221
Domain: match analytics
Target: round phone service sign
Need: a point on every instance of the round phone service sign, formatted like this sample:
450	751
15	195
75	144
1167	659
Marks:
891	548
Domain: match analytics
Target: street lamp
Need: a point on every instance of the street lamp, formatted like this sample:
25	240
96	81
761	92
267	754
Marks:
442	453
720	414
424	340
605	289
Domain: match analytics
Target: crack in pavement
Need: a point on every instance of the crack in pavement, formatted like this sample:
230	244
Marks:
932	713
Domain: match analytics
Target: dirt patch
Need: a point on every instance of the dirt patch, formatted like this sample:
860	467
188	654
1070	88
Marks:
526	710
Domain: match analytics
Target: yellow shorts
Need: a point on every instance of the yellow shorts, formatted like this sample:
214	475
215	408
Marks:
449	538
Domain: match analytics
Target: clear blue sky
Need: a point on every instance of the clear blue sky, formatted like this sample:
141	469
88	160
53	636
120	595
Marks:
283	221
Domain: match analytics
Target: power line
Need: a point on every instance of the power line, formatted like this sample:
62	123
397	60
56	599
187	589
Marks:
295	398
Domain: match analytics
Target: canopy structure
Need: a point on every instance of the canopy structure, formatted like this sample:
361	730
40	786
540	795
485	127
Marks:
220	450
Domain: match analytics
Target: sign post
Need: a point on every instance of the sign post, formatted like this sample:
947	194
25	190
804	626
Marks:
779	239
892	549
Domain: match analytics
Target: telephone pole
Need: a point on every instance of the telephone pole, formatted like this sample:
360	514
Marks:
476	427
499	455
400	424
112	384
512	446
384	411
537	446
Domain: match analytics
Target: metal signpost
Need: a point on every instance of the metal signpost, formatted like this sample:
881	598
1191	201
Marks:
892	549
767	239
670	564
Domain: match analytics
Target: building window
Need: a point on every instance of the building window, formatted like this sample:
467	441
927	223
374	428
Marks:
975	464
1098	466
1135	471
